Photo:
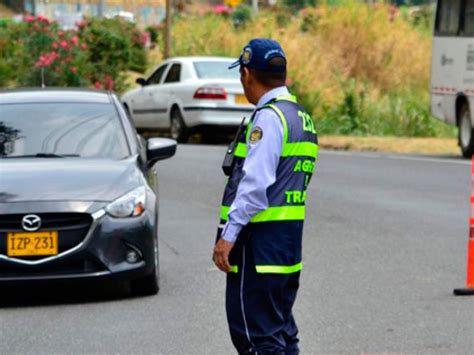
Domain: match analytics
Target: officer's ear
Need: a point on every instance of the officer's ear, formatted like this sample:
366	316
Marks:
245	76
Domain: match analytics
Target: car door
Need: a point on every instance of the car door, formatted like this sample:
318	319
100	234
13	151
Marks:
165	98
144	109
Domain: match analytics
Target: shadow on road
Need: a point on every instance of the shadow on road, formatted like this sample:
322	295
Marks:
50	294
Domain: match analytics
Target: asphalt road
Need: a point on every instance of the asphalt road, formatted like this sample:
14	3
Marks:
385	244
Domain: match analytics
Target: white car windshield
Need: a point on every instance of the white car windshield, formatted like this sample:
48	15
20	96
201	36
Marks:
216	70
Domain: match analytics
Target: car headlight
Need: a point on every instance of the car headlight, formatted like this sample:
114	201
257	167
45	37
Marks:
129	205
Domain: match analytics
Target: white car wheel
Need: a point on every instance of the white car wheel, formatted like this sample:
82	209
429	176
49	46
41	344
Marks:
178	130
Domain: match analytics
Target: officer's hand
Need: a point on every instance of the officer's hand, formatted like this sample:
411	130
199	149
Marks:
221	254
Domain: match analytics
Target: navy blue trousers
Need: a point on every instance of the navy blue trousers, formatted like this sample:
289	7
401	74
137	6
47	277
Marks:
259	307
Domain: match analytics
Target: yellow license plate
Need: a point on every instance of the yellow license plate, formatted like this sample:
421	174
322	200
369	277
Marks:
241	100
32	243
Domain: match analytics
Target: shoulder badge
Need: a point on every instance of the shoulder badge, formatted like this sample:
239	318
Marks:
256	135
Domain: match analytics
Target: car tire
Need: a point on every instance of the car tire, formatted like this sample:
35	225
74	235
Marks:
150	284
465	132
178	129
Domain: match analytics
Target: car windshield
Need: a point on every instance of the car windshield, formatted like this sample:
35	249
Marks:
216	70
54	130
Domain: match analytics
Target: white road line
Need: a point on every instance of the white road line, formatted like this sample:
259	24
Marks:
396	157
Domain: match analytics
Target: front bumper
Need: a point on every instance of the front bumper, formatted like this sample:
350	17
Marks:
101	253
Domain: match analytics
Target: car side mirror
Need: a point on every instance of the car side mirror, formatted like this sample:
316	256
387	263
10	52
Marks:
159	149
141	81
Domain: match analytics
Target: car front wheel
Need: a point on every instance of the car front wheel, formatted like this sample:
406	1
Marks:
466	134
150	284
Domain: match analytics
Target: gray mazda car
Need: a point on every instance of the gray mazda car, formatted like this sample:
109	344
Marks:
78	196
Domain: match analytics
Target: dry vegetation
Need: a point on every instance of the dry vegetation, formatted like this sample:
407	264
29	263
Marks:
361	70
325	45
432	146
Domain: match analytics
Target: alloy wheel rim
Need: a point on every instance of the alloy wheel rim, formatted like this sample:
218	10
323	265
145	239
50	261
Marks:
466	129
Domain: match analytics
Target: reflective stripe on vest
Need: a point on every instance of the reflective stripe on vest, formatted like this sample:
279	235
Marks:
278	269
272	269
304	149
271	214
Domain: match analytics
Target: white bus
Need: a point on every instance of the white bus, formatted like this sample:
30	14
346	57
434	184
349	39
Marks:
452	83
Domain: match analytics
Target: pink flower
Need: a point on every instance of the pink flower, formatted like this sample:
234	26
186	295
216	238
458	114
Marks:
63	44
146	38
54	45
46	60
83	46
75	40
61	33
81	24
74	70
43	19
222	10
29	18
98	85
109	82
40	62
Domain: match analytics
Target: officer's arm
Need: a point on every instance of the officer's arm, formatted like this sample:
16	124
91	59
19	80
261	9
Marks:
264	149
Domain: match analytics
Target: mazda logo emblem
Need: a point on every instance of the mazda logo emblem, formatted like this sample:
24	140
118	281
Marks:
31	223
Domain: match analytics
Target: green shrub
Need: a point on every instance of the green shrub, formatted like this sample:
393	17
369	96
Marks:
402	114
111	52
347	117
10	56
299	4
421	18
98	54
241	15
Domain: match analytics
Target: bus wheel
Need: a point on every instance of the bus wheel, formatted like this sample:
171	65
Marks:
466	134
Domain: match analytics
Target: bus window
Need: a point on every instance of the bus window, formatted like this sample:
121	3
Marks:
448	17
469	18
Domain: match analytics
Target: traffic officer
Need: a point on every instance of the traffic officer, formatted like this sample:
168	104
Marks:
260	236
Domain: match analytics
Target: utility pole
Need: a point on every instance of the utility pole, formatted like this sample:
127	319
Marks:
167	52
101	8
255	6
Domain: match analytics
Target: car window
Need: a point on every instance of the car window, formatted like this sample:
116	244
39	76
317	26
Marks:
448	17
174	74
215	70
469	18
87	130
155	78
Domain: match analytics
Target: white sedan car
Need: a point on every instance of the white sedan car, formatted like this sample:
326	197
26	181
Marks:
189	94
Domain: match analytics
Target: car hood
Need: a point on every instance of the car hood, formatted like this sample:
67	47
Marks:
67	179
